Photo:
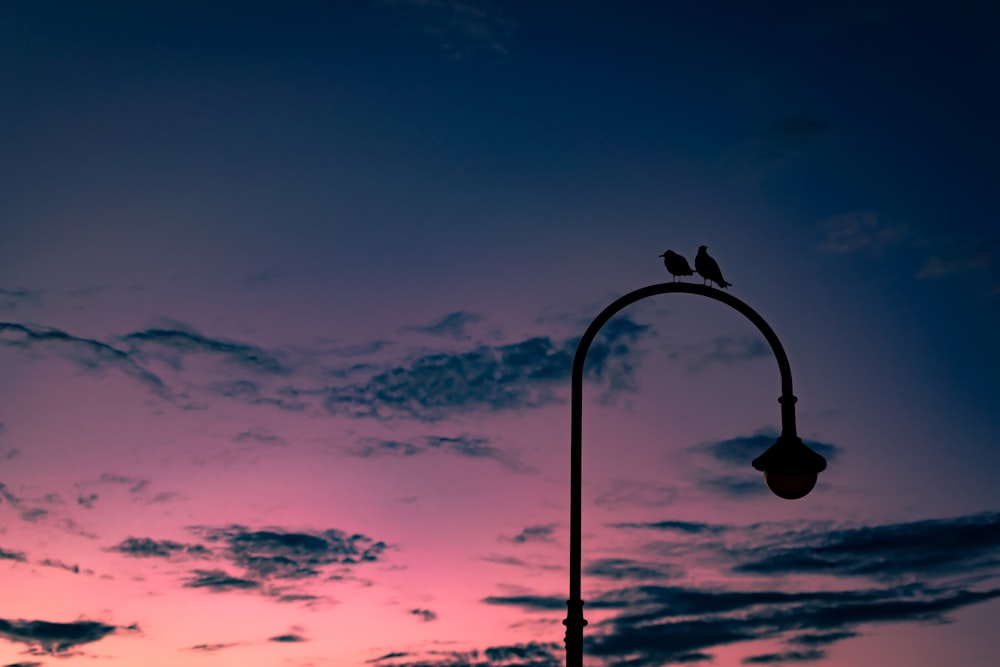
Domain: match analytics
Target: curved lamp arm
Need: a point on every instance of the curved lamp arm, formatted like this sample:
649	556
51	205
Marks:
787	454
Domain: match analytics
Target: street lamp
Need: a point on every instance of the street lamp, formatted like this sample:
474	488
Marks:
790	468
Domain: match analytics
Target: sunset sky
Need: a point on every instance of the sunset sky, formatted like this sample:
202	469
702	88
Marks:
289	294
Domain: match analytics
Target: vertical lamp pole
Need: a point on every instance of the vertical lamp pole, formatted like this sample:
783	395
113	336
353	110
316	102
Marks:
790	468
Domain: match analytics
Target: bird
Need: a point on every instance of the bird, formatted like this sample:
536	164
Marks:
676	264
708	268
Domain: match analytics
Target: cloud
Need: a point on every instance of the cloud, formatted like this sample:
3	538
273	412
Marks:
734	486
134	354
146	547
437	385
821	639
212	648
272	562
88	354
218	581
24	664
967	257
620	569
288	638
426	615
16	297
87	498
180	340
528	602
428	386
725	350
45	637
464	445
861	231
452	325
636	494
688	527
782	142
932	547
13	555
536	533
811	655
531	654
251	393
460	28
87	291
663	624
388	656
262	438
60	565
919	571
30	512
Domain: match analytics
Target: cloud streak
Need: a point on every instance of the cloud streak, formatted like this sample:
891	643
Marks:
918	571
428	386
48	638
464	445
859	231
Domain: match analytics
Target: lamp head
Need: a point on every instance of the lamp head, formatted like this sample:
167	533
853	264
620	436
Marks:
790	468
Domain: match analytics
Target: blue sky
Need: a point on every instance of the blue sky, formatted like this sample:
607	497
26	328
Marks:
289	293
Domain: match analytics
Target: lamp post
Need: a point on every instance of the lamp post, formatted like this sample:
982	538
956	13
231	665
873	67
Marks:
790	468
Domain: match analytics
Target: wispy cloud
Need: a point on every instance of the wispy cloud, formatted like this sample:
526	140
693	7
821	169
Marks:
260	437
87	497
60	565
173	343
453	325
463	445
531	654
965	257
16	297
688	527
621	569
777	145
87	354
725	350
212	648
859	231
533	534
459	27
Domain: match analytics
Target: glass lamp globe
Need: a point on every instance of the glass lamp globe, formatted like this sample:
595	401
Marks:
790	486
790	468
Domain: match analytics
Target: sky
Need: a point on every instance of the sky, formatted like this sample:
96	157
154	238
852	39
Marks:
289	295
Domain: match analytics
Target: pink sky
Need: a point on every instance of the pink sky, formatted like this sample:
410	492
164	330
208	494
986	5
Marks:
288	299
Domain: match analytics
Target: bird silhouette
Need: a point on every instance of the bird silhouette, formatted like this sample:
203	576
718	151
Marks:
708	268
676	264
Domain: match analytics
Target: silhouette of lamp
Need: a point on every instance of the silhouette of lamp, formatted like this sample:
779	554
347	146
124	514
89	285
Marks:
790	468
